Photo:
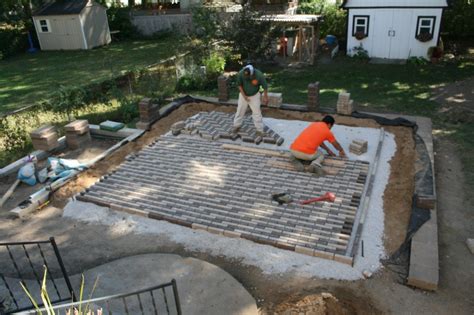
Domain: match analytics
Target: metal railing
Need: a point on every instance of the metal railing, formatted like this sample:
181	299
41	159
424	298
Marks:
23	263
154	300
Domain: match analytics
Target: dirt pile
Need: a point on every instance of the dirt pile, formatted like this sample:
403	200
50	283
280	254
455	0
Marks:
325	303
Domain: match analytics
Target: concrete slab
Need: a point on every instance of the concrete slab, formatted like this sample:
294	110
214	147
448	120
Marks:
424	256
203	288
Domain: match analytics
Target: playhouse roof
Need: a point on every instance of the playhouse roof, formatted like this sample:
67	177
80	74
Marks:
394	3
293	18
64	7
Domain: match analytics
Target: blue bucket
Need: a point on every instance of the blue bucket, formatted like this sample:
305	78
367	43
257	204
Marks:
330	39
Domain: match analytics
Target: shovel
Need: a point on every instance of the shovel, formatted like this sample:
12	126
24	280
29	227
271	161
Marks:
329	196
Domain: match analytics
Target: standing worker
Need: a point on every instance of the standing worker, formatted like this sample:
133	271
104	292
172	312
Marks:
250	80
306	145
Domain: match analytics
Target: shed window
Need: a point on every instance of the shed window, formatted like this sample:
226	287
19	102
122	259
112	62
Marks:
44	26
425	25
360	25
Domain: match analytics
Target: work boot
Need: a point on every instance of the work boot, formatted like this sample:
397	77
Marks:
297	164
317	169
235	129
260	134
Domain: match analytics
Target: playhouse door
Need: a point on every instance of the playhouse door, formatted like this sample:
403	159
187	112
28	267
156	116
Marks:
391	34
382	25
400	34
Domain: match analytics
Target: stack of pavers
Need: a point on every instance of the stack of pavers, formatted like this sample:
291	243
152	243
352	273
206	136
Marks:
275	100
345	106
149	113
45	138
218	125
358	146
77	133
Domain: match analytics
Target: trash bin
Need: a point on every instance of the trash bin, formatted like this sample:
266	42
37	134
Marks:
330	39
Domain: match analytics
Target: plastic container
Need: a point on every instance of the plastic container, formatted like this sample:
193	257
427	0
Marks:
331	39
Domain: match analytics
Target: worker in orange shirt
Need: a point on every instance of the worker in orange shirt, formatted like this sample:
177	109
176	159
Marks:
306	145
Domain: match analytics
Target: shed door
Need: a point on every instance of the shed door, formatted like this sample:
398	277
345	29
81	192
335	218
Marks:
383	20
392	34
69	34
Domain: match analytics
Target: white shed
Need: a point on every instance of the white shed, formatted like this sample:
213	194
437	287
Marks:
72	24
393	29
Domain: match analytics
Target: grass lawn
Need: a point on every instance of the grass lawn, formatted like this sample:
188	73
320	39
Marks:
29	78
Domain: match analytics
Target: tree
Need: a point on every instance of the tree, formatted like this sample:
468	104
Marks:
458	20
248	35
18	12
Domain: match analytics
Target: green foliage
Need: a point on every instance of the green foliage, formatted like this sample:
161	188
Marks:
205	22
419	61
68	100
12	42
360	53
248	36
334	18
119	20
215	65
190	82
458	20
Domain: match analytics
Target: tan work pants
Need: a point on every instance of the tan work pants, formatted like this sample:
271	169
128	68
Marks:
242	106
317	157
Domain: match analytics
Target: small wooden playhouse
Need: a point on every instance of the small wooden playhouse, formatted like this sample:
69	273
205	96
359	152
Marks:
72	24
393	29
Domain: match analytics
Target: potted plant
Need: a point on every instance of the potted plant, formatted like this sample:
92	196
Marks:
435	53
424	37
359	35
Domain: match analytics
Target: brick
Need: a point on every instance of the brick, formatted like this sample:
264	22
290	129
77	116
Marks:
343	259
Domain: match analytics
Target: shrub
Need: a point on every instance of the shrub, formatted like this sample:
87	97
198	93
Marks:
417	61
359	52
12	42
119	20
215	65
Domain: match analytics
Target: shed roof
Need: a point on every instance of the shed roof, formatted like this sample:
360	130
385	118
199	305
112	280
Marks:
395	3
64	7
293	18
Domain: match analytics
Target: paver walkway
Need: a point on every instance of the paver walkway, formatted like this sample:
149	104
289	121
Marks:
197	183
218	125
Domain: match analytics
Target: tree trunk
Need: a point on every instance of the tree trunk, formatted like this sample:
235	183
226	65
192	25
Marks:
131	3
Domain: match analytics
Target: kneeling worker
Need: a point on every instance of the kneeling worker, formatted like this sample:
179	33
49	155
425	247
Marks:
306	145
